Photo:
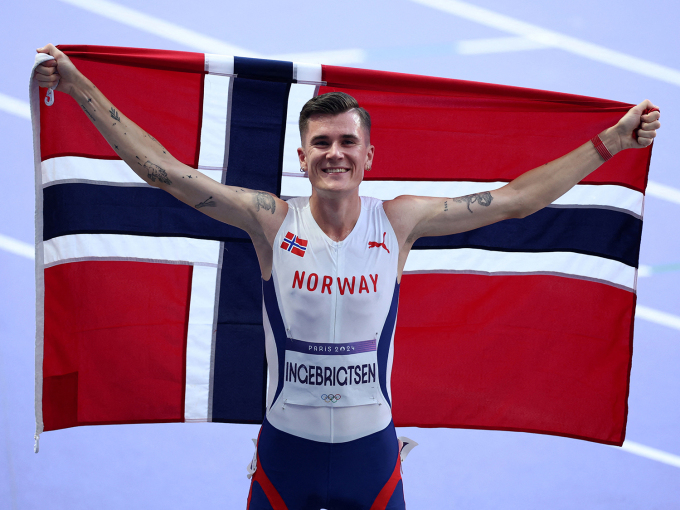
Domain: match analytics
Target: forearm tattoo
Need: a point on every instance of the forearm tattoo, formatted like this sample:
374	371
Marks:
265	201
208	202
159	143
88	113
483	199
155	172
114	114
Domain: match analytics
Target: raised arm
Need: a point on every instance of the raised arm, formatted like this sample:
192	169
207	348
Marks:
257	212
414	217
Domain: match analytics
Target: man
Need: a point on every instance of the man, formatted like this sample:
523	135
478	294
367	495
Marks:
331	266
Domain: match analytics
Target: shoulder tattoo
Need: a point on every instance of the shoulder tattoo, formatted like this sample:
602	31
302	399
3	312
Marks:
265	201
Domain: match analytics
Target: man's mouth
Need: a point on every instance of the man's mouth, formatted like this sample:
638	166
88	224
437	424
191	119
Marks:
335	170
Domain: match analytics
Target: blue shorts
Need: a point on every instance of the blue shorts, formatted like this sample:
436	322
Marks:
299	474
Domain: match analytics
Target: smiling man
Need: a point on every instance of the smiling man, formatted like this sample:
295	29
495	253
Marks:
331	266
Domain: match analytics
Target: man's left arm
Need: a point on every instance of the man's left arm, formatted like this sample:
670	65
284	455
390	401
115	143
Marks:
414	217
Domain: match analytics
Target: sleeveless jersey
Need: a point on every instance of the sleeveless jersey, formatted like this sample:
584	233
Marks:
329	315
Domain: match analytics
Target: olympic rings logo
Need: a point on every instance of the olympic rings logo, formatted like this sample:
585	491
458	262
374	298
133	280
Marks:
330	399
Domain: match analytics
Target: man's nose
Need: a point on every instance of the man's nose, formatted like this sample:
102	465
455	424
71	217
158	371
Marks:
335	151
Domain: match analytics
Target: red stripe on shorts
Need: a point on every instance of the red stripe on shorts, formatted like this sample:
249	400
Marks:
388	489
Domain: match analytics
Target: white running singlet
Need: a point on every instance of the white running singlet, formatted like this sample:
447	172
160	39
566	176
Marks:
329	315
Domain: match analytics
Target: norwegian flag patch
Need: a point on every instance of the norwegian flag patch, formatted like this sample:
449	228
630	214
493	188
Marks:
294	244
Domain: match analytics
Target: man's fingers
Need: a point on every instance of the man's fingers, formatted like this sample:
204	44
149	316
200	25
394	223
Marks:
646	105
645	141
53	51
48	81
644	111
650	126
46	76
46	71
645	138
50	49
53	78
651	117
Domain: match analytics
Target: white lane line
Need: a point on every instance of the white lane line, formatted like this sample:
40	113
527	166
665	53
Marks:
17	247
651	453
645	271
555	39
159	27
204	43
15	106
658	190
657	316
530	37
497	45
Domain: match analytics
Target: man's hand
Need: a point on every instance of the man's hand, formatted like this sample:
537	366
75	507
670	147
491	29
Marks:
635	130
59	70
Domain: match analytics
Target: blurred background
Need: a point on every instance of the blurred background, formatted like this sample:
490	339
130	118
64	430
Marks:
622	50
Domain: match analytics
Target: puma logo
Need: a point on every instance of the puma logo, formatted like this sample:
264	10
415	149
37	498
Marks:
373	244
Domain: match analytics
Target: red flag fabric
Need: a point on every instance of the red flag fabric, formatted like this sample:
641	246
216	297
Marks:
525	325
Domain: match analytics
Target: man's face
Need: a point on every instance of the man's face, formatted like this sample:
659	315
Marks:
335	152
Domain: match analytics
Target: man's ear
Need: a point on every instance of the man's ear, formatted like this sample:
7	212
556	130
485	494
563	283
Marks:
371	153
303	159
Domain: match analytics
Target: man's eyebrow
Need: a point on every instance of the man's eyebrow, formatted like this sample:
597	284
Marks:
318	138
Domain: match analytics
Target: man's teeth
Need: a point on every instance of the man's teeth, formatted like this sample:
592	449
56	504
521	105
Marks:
335	170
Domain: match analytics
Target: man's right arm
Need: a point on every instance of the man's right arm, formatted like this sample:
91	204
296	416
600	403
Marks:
257	212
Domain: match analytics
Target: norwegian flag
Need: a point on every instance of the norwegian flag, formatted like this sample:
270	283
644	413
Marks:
294	244
537	336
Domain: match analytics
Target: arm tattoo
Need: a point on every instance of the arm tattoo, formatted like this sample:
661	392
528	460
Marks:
88	113
483	198
208	202
156	172
265	201
114	114
159	143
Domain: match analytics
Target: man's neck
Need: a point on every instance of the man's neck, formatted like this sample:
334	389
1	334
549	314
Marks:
336	216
